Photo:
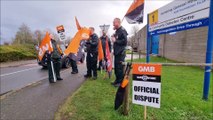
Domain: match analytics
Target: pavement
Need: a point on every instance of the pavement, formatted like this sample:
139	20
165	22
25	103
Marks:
26	93
41	101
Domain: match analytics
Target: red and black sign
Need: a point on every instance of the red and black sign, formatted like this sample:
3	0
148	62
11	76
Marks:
60	29
146	84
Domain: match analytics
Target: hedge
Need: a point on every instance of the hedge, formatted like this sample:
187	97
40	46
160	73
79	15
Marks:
17	52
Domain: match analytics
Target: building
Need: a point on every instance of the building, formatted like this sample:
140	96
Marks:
184	46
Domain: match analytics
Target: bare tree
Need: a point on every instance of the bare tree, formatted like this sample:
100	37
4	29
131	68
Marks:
134	41
68	39
23	35
38	36
135	29
55	35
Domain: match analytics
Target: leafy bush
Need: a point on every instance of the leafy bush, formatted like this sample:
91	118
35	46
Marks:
17	52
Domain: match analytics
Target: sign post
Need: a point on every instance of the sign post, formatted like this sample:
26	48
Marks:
209	52
60	29
182	15
147	53
147	41
146	85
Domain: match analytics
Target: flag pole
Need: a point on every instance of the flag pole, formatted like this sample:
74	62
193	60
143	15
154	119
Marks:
53	71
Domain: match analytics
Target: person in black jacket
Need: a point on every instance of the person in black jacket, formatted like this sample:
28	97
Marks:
55	57
103	39
120	42
92	54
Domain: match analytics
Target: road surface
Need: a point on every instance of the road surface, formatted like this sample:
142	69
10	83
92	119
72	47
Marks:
17	75
40	100
13	78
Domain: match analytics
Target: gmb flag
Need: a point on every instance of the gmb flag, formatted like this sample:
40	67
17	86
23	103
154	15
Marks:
100	51
44	46
82	34
135	12
108	57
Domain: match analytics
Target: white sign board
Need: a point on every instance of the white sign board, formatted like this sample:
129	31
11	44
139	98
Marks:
146	84
61	30
179	15
104	27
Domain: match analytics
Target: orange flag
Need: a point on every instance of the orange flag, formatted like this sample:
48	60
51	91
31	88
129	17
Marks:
44	46
77	24
108	57
100	51
135	12
82	34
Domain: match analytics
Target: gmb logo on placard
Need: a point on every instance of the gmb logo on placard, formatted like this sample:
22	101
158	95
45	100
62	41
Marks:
145	78
146	69
85	36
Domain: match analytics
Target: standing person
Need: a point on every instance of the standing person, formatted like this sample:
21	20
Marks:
73	62
103	39
74	58
120	42
92	54
55	57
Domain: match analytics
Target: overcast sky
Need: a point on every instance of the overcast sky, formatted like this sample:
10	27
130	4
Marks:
48	14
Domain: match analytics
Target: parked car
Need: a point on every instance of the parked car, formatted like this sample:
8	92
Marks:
64	60
128	48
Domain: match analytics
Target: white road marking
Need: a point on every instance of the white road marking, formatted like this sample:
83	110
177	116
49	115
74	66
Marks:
19	71
33	64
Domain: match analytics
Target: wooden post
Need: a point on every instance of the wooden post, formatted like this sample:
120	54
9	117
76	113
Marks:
144	112
126	92
126	101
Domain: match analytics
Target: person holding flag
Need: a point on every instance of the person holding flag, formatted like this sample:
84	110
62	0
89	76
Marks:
55	57
92	54
74	58
120	42
133	15
104	40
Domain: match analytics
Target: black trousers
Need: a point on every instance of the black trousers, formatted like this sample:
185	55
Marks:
92	64
56	66
74	65
119	72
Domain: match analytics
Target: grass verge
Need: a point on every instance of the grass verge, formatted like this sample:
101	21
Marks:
180	98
